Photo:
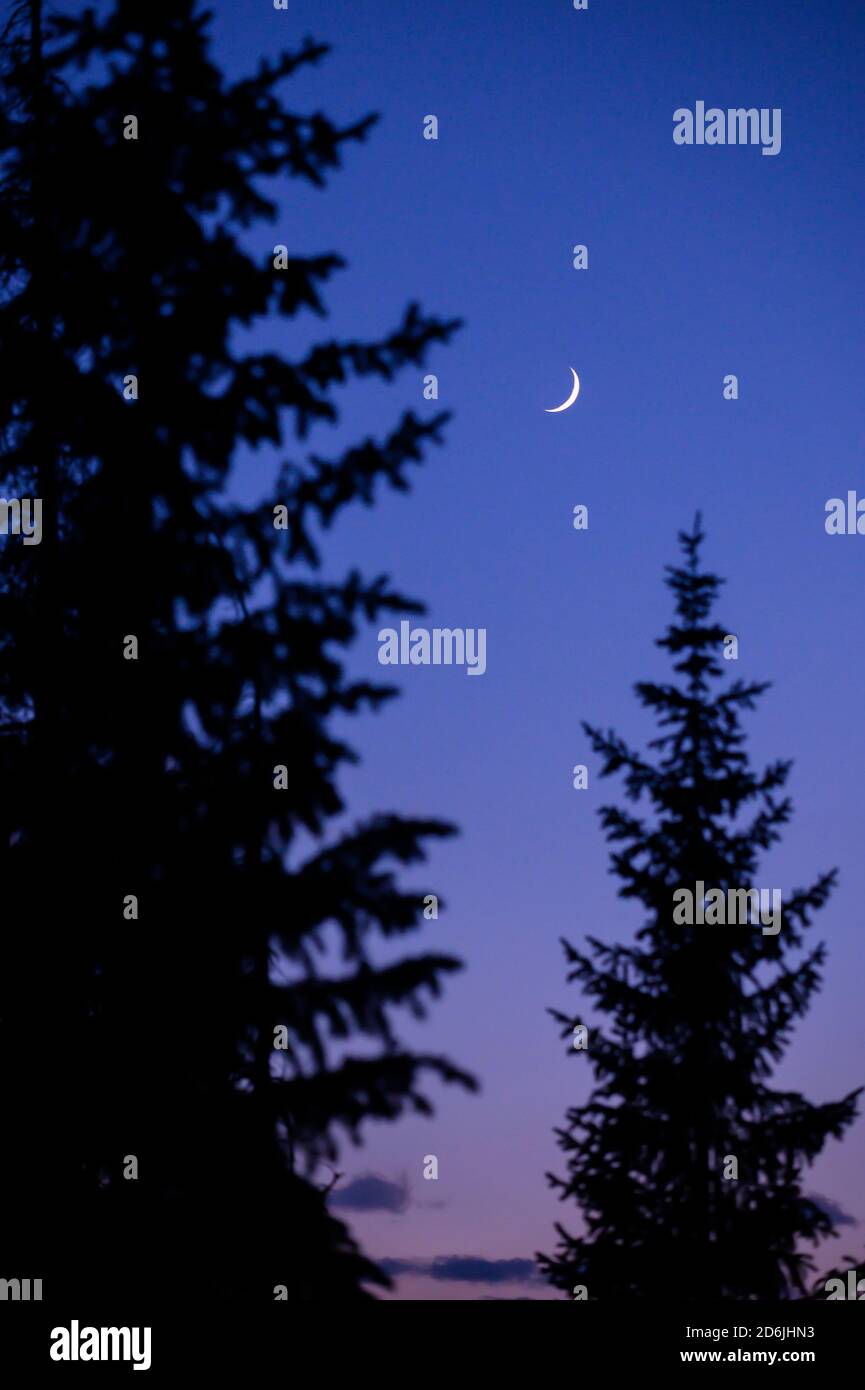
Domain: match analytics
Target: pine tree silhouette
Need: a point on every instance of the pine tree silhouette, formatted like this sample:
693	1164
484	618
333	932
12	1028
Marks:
169	906
698	1015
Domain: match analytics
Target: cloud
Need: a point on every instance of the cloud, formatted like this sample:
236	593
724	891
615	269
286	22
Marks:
369	1192
836	1214
469	1269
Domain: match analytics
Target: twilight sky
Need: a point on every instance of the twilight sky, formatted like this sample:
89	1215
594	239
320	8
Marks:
555	128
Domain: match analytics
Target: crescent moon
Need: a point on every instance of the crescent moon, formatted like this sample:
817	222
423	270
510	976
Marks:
554	410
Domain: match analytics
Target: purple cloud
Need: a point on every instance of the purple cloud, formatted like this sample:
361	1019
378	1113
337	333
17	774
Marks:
469	1269
369	1192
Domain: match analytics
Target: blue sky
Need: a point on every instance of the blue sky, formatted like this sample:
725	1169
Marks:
555	128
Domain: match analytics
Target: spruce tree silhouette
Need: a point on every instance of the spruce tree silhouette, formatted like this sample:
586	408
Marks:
699	1015
170	905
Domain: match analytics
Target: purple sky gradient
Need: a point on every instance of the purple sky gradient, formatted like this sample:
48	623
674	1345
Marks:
556	128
